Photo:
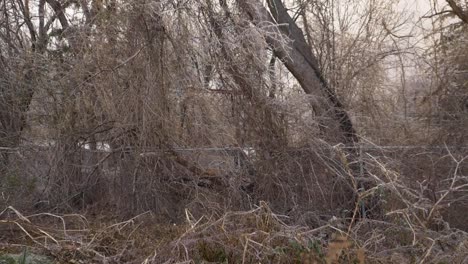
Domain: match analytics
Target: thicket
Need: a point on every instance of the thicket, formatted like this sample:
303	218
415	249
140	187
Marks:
285	132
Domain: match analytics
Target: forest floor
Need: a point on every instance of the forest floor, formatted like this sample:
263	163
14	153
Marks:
75	238
255	236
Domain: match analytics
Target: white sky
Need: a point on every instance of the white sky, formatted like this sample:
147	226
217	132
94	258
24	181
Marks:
420	7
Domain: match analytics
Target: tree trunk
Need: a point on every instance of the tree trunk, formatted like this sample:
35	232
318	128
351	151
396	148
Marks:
288	44
14	104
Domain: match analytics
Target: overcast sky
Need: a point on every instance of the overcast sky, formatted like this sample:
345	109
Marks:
420	7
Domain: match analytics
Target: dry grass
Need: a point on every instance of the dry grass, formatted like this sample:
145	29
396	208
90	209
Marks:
255	236
258	236
76	239
410	229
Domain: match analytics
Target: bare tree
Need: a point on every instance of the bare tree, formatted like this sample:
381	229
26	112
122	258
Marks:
298	58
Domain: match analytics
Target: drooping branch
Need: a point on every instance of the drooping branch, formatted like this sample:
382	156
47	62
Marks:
274	137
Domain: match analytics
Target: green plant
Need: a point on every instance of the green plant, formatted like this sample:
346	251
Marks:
5	259
23	257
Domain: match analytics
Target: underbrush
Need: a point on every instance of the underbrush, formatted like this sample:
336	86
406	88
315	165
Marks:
73	238
255	236
389	218
260	236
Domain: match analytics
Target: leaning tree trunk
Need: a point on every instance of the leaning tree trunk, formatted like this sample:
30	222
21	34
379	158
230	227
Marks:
287	41
288	44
